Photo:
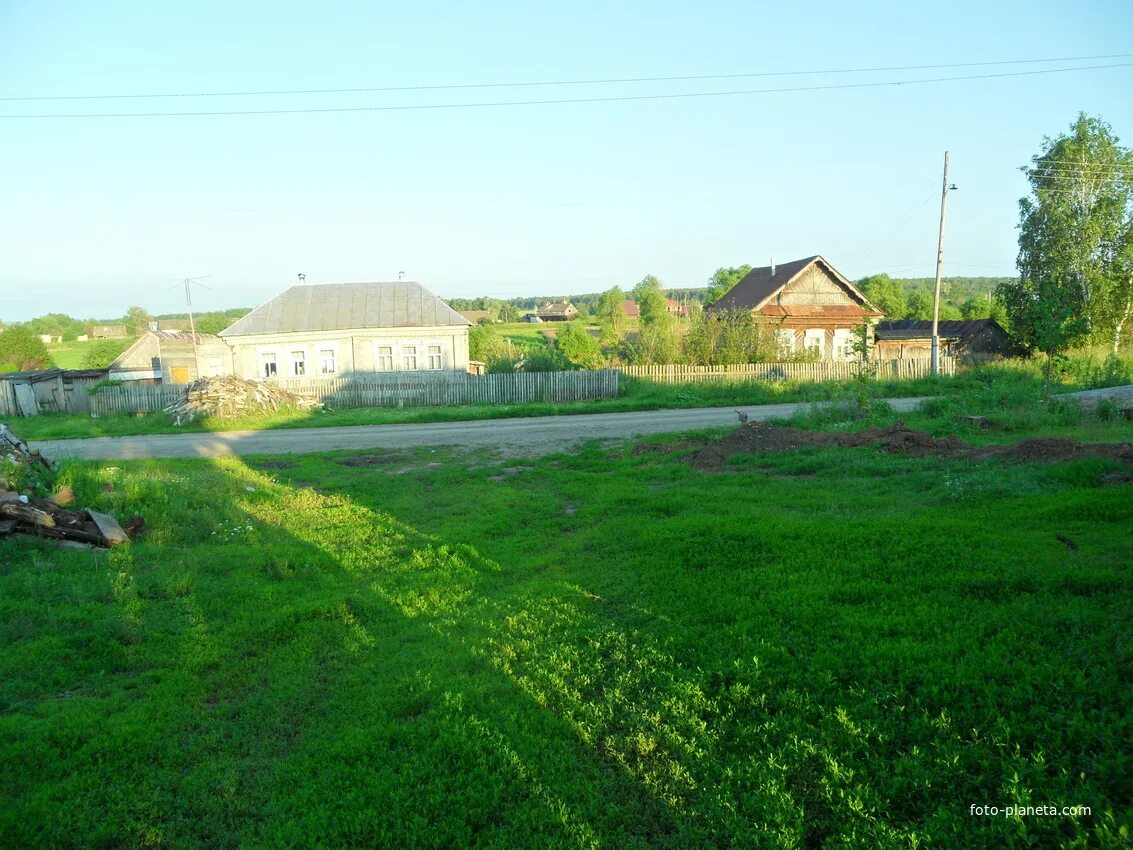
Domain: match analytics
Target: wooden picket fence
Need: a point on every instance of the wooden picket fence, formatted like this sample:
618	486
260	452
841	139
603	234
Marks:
802	372
394	390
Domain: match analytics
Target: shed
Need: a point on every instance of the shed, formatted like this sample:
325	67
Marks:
108	332
47	391
172	357
558	311
968	338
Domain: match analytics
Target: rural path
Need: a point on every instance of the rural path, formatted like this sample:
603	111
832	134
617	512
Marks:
528	436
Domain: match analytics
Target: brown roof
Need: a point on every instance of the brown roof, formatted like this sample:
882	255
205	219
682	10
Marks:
826	311
557	307
631	309
759	285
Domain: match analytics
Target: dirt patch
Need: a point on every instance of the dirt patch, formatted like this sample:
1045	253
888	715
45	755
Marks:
368	460
762	438
666	448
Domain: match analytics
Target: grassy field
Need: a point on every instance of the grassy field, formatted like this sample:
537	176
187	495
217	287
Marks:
69	355
827	648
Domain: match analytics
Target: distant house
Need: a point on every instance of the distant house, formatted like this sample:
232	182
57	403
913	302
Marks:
912	338
560	311
330	329
808	302
477	316
50	339
532	318
82	338
676	308
631	309
108	332
172	357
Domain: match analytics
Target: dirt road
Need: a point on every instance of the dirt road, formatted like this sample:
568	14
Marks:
532	436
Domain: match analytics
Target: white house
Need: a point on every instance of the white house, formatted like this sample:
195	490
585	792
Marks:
327	330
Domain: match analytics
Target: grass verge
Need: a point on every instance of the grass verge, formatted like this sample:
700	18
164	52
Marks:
822	648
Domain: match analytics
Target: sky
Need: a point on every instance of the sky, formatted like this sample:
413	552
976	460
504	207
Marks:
97	214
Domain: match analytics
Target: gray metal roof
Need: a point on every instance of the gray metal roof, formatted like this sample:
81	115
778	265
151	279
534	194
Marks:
342	306
922	328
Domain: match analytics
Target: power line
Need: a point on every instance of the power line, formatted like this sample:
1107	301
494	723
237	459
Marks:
559	101
582	82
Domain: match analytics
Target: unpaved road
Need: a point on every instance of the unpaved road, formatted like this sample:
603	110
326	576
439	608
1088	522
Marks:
531	436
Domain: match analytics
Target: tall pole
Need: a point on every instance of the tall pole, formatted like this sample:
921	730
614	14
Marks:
192	330
939	265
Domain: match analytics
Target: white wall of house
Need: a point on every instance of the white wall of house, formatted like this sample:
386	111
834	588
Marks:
333	353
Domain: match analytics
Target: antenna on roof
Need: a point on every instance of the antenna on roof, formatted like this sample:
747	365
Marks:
400	275
302	277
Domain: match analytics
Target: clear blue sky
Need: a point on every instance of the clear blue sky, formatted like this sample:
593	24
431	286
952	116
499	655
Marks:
99	214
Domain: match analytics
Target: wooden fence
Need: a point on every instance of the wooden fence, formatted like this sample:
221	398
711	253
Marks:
396	390
807	372
47	391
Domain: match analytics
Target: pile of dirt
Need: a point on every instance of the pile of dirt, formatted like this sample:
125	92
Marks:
762	438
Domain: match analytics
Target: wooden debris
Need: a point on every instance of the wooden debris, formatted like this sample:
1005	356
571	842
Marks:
27	514
230	396
109	528
23	468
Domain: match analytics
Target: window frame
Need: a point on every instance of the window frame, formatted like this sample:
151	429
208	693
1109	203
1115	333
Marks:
407	352
323	352
379	357
439	354
299	366
809	334
269	368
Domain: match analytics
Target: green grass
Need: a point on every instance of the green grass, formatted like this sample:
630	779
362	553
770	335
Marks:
829	648
70	355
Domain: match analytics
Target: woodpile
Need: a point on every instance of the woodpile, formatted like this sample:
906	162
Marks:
23	473
230	396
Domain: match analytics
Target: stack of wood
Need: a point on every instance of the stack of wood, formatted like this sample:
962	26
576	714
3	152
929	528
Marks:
230	396
22	467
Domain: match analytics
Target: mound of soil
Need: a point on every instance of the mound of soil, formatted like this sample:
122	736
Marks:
762	438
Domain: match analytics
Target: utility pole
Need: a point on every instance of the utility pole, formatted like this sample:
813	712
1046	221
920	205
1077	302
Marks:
945	189
192	329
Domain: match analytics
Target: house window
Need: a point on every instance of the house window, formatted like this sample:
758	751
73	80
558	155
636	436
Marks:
785	338
327	365
298	363
844	344
268	366
385	358
409	357
434	357
814	341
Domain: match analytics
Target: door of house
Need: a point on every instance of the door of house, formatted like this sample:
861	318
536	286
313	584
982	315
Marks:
180	374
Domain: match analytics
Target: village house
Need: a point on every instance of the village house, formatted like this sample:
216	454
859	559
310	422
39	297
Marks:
809	304
631	309
326	330
973	339
560	311
172	357
50	339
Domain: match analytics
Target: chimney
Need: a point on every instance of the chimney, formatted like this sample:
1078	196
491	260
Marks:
773	267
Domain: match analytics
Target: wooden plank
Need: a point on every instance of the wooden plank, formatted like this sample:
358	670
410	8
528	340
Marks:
24	513
108	527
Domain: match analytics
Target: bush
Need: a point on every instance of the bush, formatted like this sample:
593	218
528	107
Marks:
22	351
102	353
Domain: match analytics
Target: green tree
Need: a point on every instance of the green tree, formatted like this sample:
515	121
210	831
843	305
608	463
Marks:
102	352
611	314
1073	228
22	351
657	337
578	346
137	320
887	294
918	305
722	280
